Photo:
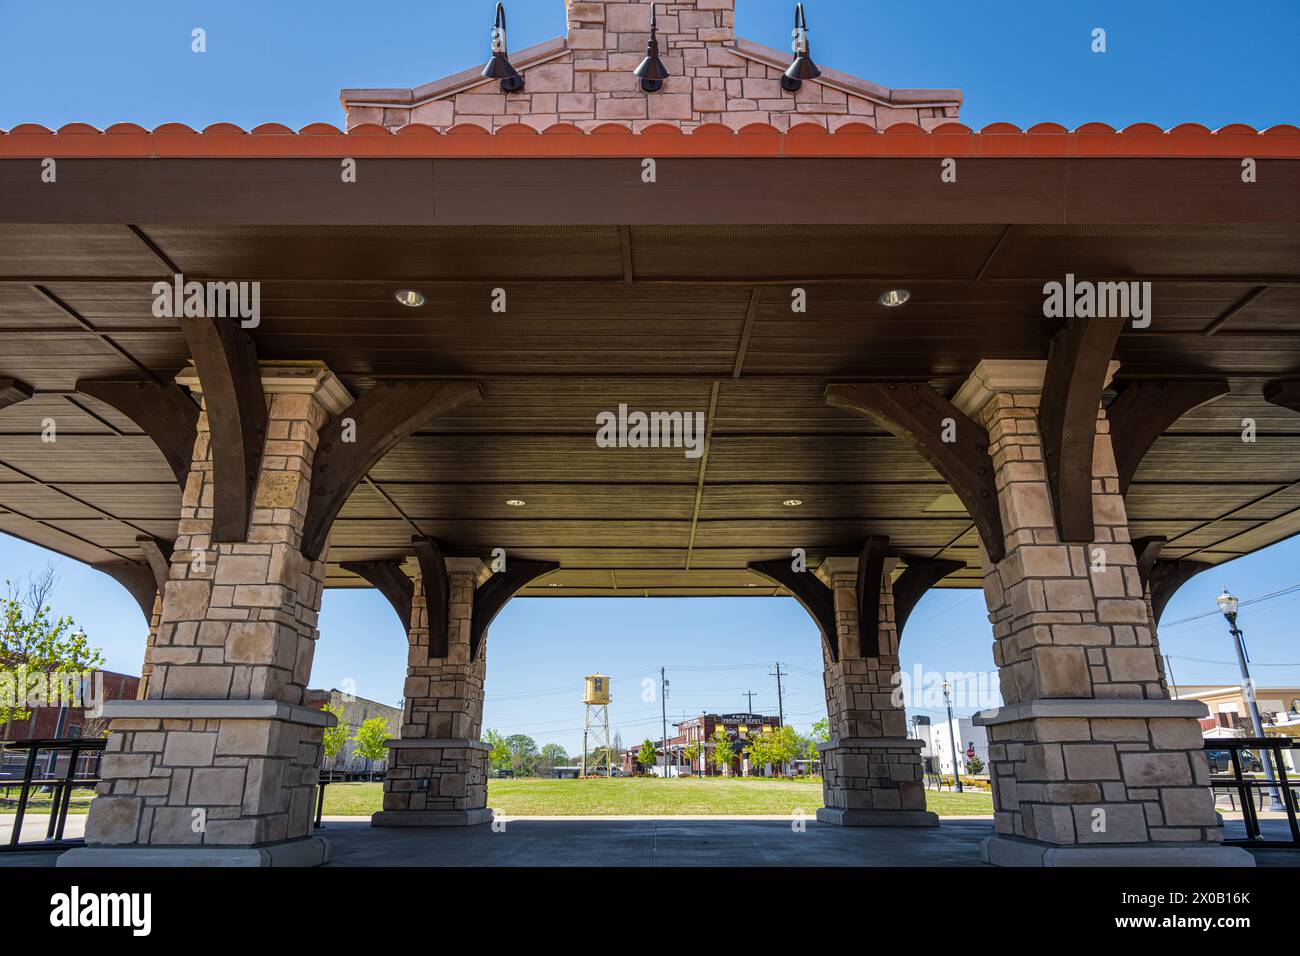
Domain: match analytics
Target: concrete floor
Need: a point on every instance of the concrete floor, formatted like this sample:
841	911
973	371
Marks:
662	841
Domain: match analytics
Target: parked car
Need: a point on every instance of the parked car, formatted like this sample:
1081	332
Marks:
1221	761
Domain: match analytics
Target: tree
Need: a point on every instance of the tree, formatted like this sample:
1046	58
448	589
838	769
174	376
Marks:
499	755
723	751
974	765
33	643
693	751
370	739
822	730
523	754
647	754
553	755
335	738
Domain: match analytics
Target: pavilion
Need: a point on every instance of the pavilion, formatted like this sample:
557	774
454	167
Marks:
846	284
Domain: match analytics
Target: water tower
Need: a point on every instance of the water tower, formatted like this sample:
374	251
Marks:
595	725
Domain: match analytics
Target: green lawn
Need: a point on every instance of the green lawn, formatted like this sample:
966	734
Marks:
39	802
642	795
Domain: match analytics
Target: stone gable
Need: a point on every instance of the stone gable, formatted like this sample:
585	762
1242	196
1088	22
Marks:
585	79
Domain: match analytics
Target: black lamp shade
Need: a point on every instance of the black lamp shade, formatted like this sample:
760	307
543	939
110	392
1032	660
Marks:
803	68
499	68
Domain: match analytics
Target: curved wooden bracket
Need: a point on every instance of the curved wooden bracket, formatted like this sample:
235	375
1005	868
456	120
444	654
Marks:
918	577
491	596
159	555
13	391
137	578
1284	392
1143	411
1163	578
437	593
165	413
806	588
391	581
380	419
226	363
920	416
1077	363
1167	577
871	572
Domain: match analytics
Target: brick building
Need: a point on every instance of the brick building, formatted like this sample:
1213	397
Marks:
740	728
44	722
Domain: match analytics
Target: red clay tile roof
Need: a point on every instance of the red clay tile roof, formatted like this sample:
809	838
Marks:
998	140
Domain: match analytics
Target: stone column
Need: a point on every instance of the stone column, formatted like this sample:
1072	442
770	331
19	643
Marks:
146	668
871	769
219	762
438	768
1091	763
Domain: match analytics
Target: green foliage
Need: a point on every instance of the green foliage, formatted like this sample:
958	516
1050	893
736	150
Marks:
499	755
822	730
693	751
34	642
724	752
523	754
974	765
553	755
335	738
647	754
370	737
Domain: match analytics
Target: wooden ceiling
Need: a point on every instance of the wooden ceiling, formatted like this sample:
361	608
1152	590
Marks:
684	318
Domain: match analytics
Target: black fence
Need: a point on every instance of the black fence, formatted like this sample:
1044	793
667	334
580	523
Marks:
68	764
1246	752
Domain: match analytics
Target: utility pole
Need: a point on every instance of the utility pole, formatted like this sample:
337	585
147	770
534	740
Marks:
749	707
1228	605
663	703
952	739
1169	669
780	700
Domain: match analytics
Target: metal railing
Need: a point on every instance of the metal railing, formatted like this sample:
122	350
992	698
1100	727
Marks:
1247	788
78	751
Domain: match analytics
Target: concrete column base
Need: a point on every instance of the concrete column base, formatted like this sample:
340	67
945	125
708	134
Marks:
1012	851
310	851
877	818
431	818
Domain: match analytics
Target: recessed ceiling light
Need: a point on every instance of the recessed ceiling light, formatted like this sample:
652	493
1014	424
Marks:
894	298
792	502
516	502
409	297
554	585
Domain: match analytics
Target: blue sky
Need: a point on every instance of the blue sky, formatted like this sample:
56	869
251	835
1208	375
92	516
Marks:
1023	62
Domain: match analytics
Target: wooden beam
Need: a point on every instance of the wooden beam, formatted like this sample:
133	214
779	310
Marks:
13	391
491	596
437	593
1147	551
137	578
1077	362
231	380
1284	392
1167	577
918	414
871	570
806	588
165	413
918	577
381	418
1144	411
159	555
391	581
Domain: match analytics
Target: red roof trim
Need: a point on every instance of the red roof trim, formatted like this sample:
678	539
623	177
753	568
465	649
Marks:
226	140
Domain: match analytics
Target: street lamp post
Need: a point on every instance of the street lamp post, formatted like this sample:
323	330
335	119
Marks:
952	739
1228	605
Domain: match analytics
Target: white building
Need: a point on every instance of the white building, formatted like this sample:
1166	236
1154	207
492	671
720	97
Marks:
967	734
